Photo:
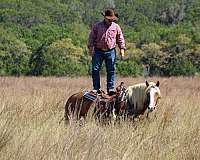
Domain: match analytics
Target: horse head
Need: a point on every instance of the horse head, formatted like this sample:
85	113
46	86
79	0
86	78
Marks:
153	95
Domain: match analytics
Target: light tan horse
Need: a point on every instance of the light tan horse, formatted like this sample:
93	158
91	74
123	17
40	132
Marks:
142	97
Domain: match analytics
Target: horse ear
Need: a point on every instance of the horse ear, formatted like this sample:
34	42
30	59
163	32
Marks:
158	83
147	84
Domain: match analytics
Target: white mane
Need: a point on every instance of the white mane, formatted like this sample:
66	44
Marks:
136	95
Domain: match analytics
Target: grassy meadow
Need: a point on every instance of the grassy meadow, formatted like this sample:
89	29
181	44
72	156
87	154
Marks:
31	110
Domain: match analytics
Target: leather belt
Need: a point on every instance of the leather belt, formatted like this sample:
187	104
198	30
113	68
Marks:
104	50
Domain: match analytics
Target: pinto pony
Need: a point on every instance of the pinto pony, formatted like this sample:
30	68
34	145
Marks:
80	104
142	97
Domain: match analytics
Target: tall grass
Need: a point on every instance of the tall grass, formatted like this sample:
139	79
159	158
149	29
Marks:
31	109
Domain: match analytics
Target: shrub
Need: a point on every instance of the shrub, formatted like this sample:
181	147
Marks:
155	58
181	67
68	67
129	68
14	55
63	58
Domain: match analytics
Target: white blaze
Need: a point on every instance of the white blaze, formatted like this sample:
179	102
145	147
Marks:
152	93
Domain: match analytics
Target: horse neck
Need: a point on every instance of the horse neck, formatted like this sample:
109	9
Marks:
139	95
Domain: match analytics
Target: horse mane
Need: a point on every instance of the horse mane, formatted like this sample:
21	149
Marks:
136	94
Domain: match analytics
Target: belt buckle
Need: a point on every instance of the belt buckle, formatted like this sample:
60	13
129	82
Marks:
103	49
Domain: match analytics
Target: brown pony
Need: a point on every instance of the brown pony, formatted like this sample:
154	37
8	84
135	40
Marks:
98	105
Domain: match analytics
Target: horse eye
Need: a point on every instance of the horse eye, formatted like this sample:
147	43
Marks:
157	95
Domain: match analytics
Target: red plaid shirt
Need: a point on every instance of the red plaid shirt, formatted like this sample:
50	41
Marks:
103	36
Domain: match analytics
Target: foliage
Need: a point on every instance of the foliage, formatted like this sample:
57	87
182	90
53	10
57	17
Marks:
180	66
193	55
14	55
129	68
35	32
62	58
155	58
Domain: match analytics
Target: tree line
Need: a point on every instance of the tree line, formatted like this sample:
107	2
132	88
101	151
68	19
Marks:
49	37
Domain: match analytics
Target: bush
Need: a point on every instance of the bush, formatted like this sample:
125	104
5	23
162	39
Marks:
155	58
63	58
68	67
129	68
14	55
181	67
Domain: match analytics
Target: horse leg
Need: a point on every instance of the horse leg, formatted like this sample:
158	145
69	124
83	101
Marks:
128	111
69	113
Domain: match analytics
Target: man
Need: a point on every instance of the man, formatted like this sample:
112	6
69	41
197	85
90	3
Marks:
103	38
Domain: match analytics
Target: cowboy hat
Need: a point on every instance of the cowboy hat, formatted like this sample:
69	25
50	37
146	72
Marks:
110	14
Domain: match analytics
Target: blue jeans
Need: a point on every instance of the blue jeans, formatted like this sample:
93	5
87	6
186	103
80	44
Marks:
97	60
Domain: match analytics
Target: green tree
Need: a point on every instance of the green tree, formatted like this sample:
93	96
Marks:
63	58
14	55
181	67
129	68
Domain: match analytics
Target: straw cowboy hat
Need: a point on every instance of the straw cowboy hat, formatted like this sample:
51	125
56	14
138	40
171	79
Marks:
110	14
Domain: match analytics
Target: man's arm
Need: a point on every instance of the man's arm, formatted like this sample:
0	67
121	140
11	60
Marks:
120	41
91	50
122	54
91	40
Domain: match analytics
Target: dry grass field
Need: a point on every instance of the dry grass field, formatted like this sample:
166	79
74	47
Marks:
31	108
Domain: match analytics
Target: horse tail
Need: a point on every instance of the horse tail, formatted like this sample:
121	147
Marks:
69	108
72	107
66	114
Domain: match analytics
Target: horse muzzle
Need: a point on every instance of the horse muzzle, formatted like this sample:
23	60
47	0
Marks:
151	109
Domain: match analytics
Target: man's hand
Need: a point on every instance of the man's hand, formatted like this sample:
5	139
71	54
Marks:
91	50
121	54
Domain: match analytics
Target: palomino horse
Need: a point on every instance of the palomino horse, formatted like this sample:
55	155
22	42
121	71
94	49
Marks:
142	97
80	104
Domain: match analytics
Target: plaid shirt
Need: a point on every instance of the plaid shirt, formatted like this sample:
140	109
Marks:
103	36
